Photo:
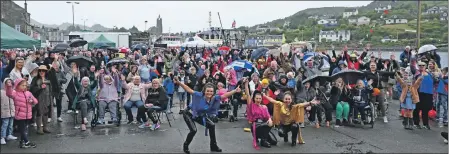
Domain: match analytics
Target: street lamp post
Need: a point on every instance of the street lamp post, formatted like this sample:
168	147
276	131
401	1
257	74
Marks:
84	23
73	12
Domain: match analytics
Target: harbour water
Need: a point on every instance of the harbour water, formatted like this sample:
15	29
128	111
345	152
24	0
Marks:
443	55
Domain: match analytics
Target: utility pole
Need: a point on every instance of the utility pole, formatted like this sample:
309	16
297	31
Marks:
84	23
418	34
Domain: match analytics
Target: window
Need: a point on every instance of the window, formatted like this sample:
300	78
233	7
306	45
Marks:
18	28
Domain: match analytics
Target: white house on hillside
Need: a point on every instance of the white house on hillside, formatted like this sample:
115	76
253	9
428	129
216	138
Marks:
350	12
382	8
443	16
359	21
327	21
395	20
436	10
313	17
332	36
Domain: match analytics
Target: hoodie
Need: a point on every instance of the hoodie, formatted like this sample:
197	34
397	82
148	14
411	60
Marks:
7	104
108	91
22	104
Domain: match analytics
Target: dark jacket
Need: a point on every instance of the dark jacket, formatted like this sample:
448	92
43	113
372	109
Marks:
89	89
377	77
363	93
338	95
157	97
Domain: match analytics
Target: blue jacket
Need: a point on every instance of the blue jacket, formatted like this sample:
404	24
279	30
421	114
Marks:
427	84
442	87
169	85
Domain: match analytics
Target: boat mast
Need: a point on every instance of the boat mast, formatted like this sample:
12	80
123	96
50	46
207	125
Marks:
225	40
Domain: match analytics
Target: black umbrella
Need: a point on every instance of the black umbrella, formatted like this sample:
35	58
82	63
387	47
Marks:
258	53
118	61
349	76
77	43
61	47
112	49
139	47
320	78
81	61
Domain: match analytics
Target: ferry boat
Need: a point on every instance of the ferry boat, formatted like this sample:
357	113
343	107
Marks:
173	42
212	35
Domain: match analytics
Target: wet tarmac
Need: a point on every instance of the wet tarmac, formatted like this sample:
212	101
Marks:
383	138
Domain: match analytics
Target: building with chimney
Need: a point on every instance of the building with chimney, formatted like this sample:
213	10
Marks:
15	16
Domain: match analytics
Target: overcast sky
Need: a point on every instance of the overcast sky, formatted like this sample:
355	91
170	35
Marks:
177	16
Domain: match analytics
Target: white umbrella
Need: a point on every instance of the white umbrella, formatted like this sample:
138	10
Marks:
274	52
426	48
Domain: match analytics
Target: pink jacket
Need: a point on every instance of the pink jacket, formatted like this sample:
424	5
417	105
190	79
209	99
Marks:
21	104
143	90
221	92
232	77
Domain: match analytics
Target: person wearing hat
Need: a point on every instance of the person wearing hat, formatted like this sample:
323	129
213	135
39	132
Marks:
342	65
41	89
264	88
353	62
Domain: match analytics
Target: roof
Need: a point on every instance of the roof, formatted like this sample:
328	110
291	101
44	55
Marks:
11	38
350	10
80	33
342	32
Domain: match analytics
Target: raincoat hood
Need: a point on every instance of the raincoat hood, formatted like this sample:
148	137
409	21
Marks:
4	81
16	83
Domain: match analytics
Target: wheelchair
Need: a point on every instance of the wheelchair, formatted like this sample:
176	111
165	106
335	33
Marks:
377	108
225	111
369	111
96	114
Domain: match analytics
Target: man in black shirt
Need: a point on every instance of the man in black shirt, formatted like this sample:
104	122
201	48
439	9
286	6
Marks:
376	76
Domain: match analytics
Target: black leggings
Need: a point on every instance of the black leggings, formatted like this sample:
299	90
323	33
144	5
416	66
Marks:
315	111
294	128
58	106
151	111
23	129
270	107
425	105
263	133
190	121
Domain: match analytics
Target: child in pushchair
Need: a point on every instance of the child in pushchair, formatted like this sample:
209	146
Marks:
225	106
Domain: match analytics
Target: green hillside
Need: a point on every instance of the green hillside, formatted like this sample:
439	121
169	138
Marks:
303	28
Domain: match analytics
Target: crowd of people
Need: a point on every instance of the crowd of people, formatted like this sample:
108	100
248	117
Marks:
277	92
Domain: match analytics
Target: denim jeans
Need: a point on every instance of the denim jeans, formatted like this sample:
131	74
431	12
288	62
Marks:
442	108
140	110
7	128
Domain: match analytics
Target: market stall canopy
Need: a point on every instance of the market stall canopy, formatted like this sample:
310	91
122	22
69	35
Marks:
11	38
100	40
196	42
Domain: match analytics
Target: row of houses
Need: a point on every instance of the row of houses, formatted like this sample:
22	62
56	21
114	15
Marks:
263	41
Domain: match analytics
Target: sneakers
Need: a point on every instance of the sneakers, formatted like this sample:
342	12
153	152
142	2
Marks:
129	122
49	120
144	125
155	126
426	127
302	125
27	145
385	119
60	119
69	111
34	125
83	127
3	142
445	141
100	121
440	124
337	123
10	137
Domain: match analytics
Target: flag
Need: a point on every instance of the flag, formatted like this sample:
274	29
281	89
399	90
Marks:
233	24
385	11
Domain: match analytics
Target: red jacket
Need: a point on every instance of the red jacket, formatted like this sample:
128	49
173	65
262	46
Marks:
269	93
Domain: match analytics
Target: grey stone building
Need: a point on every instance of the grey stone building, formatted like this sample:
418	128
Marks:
15	16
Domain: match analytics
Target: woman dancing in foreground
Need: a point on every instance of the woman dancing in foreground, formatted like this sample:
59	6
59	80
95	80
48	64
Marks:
204	107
